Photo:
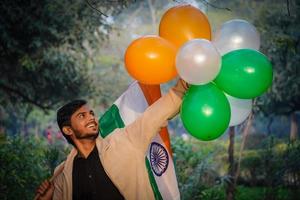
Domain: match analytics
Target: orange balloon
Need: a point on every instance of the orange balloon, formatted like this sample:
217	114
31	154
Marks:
151	60
183	23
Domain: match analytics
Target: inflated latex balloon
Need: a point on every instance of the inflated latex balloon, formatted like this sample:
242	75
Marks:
240	109
245	74
182	23
205	112
198	62
151	60
236	34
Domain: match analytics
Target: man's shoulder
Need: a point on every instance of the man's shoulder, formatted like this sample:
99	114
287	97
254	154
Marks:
67	162
60	167
117	136
114	133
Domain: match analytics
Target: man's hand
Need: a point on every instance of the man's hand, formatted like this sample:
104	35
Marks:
180	87
45	191
185	84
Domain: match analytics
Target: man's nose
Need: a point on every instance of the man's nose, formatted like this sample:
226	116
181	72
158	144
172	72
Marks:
92	117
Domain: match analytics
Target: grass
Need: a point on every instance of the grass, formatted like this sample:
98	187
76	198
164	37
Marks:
251	193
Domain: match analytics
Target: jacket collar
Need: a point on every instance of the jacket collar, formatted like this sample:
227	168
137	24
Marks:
101	145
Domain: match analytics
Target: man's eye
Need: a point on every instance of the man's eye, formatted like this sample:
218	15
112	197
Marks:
81	115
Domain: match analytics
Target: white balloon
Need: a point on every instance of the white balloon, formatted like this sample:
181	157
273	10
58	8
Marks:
198	62
240	109
236	34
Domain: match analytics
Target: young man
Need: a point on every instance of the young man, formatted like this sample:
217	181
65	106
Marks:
112	167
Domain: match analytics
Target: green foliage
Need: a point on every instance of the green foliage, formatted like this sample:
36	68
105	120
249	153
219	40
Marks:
253	193
258	193
252	168
195	167
214	193
25	163
292	164
49	54
245	193
280	35
275	165
271	169
254	141
45	49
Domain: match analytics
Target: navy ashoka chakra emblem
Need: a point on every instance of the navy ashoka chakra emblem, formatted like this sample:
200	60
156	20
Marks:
159	158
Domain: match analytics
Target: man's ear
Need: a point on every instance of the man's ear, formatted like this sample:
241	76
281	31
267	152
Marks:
67	130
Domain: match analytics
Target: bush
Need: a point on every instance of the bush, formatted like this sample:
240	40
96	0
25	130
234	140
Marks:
215	193
25	163
272	171
195	166
244	193
277	164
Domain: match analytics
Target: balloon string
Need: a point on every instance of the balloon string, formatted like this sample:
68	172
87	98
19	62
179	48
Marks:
245	134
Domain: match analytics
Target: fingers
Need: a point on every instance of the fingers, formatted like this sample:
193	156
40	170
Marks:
49	193
185	84
43	187
45	184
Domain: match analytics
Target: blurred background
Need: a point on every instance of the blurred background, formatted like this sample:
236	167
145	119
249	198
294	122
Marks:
53	51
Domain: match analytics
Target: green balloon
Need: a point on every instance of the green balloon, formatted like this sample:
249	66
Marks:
205	111
245	73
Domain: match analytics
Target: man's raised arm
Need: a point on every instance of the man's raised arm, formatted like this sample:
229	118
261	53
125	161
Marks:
142	131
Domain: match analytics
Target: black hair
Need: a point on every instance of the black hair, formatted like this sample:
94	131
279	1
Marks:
64	115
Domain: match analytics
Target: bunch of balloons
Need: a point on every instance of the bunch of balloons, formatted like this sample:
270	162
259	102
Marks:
225	74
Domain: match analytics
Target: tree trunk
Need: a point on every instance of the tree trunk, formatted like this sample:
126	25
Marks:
270	124
230	190
1	120
294	128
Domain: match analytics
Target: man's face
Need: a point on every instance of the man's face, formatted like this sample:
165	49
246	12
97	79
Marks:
84	124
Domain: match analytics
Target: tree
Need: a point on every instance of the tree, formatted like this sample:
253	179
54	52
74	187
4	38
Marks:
280	31
42	53
49	54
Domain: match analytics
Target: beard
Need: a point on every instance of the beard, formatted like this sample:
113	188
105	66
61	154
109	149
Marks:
81	136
